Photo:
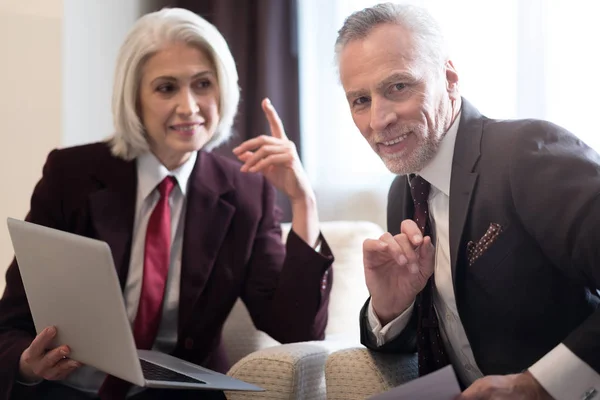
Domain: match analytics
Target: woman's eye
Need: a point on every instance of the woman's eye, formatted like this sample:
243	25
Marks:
165	88
203	84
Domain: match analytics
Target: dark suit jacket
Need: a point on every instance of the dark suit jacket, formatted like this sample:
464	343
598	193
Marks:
535	286
231	248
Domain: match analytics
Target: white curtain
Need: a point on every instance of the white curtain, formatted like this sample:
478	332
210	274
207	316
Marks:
515	58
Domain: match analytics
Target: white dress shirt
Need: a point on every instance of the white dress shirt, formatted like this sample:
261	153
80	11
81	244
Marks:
560	372
150	172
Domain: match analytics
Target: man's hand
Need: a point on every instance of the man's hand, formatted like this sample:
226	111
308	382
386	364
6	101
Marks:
397	269
37	363
506	387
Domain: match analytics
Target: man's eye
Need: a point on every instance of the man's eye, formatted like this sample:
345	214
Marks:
360	101
399	86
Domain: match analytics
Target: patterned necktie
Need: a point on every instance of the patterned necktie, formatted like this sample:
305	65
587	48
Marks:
430	347
157	252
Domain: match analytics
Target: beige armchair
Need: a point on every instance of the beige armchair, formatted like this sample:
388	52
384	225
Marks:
297	370
358	373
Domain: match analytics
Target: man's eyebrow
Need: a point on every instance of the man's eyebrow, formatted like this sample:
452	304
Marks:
356	93
396	77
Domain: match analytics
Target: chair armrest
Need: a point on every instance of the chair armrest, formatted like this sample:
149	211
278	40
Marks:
357	373
288	371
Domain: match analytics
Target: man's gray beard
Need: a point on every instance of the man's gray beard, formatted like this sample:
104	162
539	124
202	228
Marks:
426	148
417	159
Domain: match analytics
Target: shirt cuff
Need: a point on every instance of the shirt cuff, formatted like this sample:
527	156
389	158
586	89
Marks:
566	376
30	383
392	329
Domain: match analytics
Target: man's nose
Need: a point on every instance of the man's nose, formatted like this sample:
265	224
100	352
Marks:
382	114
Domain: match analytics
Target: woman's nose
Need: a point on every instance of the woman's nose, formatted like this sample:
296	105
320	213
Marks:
187	104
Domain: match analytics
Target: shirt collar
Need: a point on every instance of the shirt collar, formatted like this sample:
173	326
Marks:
439	169
151	172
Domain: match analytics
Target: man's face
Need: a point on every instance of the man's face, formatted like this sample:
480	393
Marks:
399	103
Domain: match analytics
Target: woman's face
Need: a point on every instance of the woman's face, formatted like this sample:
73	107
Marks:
178	102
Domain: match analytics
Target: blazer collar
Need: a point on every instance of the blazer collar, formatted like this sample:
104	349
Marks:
112	208
467	151
209	213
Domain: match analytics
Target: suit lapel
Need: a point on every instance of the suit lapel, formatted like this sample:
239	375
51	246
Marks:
207	220
113	208
464	179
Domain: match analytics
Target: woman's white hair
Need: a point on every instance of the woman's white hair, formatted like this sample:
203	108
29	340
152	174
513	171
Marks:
427	34
147	36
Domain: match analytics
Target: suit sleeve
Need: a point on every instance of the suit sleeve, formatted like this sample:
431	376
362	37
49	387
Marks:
16	324
404	342
555	184
287	288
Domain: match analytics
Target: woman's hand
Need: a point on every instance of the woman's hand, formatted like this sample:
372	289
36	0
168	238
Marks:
38	363
276	158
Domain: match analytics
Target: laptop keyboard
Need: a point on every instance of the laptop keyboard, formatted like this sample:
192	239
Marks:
153	372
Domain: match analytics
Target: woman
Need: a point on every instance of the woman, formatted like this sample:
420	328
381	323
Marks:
195	228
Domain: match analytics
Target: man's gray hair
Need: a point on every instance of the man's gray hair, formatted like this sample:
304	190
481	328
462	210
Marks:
427	34
149	35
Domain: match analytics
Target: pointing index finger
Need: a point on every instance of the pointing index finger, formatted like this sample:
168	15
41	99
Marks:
275	123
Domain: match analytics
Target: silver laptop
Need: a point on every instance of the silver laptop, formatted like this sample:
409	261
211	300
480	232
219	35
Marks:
71	283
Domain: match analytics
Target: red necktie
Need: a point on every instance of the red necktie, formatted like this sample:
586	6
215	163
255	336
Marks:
157	252
432	355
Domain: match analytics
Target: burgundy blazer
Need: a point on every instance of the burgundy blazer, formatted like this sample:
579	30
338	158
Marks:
232	249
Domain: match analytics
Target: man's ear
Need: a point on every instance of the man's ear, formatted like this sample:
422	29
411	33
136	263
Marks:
452	81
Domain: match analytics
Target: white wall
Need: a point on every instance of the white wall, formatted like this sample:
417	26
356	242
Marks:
93	32
57	65
30	68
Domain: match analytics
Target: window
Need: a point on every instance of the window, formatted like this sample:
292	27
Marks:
515	58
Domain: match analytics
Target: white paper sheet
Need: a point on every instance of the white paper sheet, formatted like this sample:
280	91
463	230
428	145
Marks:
439	385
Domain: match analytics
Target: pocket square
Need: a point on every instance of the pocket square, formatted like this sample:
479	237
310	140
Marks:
476	250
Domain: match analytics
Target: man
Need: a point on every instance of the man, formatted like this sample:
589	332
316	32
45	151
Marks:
491	261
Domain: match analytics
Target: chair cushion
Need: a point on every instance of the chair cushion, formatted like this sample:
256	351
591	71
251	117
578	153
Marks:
348	292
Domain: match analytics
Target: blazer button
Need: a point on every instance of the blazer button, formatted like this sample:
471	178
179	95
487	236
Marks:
189	343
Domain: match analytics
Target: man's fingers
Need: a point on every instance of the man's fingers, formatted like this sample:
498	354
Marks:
427	256
476	391
374	252
41	342
412	231
409	252
427	250
374	246
394	250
